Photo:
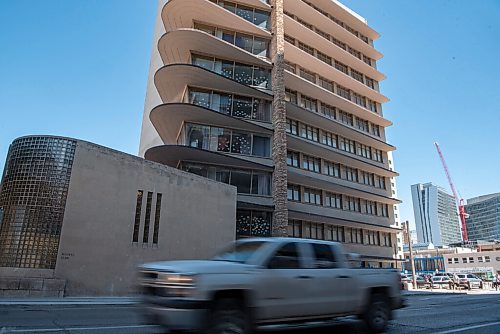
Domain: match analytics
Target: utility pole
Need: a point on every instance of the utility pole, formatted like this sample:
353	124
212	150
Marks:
414	275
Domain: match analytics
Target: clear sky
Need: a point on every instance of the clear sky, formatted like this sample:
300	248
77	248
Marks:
79	69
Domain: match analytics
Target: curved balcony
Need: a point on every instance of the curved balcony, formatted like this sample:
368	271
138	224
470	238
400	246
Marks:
309	14
172	80
301	33
325	123
335	185
171	155
295	143
308	88
168	119
176	47
178	14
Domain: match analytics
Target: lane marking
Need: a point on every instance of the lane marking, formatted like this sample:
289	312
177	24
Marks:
7	330
468	328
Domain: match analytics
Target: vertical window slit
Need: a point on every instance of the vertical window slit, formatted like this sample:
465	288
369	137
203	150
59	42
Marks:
137	222
145	236
157	219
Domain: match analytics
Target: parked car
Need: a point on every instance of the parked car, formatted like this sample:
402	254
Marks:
453	278
442	282
469	281
257	282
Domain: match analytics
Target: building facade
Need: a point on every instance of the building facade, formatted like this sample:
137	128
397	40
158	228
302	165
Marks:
436	216
78	218
280	99
483	222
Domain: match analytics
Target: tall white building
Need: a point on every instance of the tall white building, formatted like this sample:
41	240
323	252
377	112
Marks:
436	216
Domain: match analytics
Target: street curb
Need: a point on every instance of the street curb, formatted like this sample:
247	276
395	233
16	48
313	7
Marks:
71	301
430	293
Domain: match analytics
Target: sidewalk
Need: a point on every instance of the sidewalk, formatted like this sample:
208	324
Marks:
70	301
434	292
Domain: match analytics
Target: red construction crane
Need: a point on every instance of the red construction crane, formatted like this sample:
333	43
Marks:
460	202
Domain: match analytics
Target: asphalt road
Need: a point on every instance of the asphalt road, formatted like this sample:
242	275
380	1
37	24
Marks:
439	314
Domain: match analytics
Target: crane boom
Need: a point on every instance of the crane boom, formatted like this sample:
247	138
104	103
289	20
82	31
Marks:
458	201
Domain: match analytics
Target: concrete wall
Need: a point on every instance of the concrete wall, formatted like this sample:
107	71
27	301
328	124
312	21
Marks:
96	253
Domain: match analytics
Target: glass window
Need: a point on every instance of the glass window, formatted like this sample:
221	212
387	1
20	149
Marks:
261	77
242	106
292	159
245	12
312	196
261	146
228	36
221	103
260	46
324	258
287	257
261	110
261	183
293	192
261	19
200	97
220	139
198	136
241	143
333	200
202	61
243	73
242	181
224	67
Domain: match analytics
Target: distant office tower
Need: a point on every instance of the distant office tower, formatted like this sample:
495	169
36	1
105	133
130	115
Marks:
484	217
280	99
436	215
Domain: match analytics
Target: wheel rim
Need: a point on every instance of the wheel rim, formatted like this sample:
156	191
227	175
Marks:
379	315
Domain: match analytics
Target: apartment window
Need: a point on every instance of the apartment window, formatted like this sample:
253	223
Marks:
341	67
353	204
290	67
372	106
312	196
368	178
308	103
487	259
385	239
464	260
344	92
291	96
295	228
309	76
380	182
156	226
351	174
304	23
364	151
311	163
471	259
357	75
334	233
324	58
332	169
346	118
326	84
355	53
340	44
313	230
371	208
328	110
292	159
309	132
375	130
347	145
377	155
385	210
137	221
362	125
358	99
147	220
352	31
480	259
370	82
333	200
293	192
328	138
289	39
306	48
450	260
368	60
322	34
292	127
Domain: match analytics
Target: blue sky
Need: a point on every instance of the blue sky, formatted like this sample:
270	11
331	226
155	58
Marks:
79	69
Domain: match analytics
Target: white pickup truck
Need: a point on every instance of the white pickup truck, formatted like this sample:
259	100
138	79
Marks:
269	282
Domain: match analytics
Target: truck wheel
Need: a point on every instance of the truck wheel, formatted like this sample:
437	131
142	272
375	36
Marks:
377	314
228	317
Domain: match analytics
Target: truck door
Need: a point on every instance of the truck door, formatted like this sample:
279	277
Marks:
280	287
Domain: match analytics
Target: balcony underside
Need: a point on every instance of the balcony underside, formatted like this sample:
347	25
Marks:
171	82
168	119
176	47
171	155
178	14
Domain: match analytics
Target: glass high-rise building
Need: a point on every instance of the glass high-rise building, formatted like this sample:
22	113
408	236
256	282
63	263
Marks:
436	216
483	222
280	99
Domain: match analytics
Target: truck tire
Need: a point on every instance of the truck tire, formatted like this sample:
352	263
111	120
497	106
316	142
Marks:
228	317
377	314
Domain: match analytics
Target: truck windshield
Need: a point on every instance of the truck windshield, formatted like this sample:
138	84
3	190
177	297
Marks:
239	252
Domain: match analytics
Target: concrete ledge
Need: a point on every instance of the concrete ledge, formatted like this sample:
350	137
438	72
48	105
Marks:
31	287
